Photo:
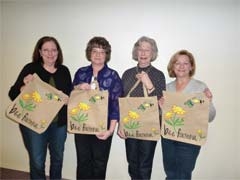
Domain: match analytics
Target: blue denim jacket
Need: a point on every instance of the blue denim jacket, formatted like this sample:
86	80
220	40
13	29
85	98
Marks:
108	79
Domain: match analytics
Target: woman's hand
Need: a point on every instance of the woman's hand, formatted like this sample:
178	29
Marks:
144	78
104	135
121	134
27	79
83	86
208	94
109	132
65	100
161	102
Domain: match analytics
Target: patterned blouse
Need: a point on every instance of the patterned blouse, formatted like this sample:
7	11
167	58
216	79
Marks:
108	79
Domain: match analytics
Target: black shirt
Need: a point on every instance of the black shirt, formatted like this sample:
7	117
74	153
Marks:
129	79
62	79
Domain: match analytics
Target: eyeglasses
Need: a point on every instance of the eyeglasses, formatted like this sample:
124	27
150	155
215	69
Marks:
98	52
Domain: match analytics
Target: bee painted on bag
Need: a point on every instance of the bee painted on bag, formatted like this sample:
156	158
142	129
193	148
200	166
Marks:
51	96
191	102
145	105
95	98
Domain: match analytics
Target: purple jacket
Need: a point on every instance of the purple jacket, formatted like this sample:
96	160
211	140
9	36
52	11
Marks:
108	79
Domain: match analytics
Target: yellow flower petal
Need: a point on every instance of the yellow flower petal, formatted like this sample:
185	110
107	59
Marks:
36	96
168	115
43	121
26	96
101	123
74	111
83	106
178	110
125	120
199	131
133	115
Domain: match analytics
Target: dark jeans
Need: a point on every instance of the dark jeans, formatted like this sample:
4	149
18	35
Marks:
140	154
36	144
179	159
92	156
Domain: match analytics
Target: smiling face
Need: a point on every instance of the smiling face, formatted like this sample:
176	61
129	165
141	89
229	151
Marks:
144	54
98	56
49	53
182	67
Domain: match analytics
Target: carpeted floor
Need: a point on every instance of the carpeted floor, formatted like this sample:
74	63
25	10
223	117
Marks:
13	174
7	174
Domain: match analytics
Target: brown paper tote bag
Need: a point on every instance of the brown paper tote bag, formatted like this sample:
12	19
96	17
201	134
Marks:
36	106
87	111
185	117
139	116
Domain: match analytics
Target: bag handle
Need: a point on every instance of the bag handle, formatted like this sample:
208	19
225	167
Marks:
134	86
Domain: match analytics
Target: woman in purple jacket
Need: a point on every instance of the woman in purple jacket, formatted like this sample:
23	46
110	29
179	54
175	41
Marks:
93	150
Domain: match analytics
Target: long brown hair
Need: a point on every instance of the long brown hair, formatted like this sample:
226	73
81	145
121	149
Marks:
36	57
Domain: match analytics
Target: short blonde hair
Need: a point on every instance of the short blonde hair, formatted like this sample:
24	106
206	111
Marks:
153	44
173	60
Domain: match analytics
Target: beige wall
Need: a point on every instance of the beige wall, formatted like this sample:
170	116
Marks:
238	89
1	85
208	28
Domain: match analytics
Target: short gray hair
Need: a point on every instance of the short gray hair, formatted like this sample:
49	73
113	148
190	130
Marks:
153	44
